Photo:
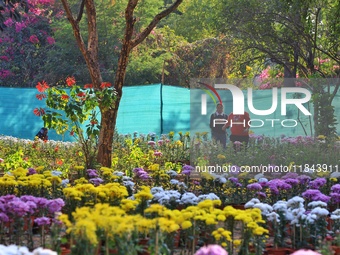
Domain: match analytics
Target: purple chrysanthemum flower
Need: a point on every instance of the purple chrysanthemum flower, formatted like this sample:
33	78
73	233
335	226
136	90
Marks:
254	186
278	184
55	205
7	198
41	202
4	217
17	207
290	175
315	195
32	207
261	194
292	181
96	181
317	183
233	179
92	173
26	198
31	171
187	169
304	179
335	197
42	221
336	188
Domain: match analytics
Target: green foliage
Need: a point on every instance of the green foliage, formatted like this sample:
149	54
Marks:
69	110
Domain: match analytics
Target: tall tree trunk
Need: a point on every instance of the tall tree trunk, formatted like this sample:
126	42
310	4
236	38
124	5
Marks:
108	124
90	54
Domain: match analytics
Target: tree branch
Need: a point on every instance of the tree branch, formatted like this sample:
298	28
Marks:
154	22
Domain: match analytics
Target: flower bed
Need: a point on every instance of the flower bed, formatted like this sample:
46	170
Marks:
153	193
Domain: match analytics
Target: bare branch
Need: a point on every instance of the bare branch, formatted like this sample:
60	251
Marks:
81	10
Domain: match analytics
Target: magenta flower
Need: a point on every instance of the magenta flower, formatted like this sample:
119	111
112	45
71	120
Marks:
50	40
305	252
211	249
33	39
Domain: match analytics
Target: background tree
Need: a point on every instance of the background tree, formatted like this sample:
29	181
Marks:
295	35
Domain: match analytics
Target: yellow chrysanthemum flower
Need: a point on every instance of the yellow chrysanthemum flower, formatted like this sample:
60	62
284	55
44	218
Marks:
186	224
237	242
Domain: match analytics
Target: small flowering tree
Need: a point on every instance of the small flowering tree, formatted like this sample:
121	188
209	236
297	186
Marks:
71	109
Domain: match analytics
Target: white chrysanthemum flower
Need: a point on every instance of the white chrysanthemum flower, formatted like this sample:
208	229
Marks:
172	173
129	184
155	190
280	206
273	216
314	204
174	181
320	212
251	203
265	208
118	173
295	202
189	198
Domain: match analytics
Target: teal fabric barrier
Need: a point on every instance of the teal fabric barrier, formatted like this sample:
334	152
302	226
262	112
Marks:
147	109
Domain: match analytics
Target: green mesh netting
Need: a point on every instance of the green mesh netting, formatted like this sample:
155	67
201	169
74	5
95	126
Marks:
154	108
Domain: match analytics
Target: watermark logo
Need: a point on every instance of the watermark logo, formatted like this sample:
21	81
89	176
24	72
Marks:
239	102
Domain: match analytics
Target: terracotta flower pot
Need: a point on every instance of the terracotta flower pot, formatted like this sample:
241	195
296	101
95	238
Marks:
278	251
239	206
65	251
336	250
144	244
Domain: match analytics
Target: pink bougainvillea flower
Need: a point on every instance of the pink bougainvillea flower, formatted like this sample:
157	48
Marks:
50	40
33	39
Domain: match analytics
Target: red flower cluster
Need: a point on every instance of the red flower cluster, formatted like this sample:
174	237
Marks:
42	86
88	86
70	81
105	85
39	111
